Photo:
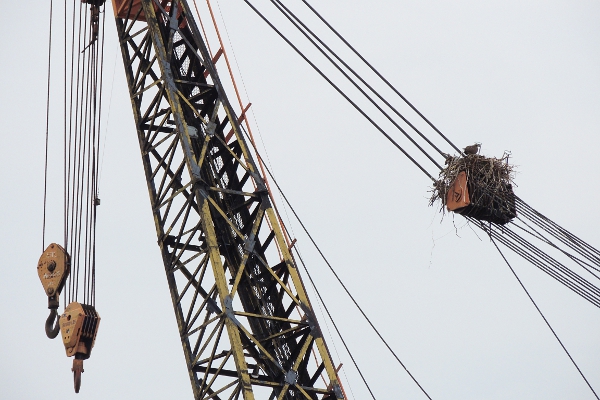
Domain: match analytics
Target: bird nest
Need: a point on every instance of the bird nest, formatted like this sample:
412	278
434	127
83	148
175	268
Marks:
489	183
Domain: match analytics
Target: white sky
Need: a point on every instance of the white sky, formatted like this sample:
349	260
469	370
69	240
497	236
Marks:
513	75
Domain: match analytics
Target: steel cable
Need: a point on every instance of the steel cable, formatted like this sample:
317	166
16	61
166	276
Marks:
544	318
332	321
302	27
561	234
341	92
541	256
335	274
82	118
307	33
47	128
381	77
551	261
533	232
536	257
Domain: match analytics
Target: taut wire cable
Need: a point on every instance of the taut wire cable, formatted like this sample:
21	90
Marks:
47	128
544	318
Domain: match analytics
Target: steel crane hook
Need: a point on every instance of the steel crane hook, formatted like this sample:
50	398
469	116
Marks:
77	370
50	331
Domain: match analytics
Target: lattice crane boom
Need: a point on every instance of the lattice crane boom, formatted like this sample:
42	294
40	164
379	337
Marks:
246	324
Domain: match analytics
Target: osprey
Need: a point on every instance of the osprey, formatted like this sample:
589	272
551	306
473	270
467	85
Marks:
473	149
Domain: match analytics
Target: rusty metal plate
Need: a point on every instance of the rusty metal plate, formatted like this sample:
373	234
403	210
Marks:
122	9
458	193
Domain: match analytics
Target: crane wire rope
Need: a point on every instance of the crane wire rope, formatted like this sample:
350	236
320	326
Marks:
543	317
47	127
380	76
534	232
284	10
82	112
332	321
337	278
75	244
307	33
543	261
353	103
514	241
559	232
341	92
559	267
67	117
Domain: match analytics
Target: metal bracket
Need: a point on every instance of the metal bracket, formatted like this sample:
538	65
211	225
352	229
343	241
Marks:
337	390
210	128
311	319
229	310
213	307
193	132
249	243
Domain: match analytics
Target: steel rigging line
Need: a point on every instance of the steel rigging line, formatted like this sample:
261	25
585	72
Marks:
564	236
74	259
47	127
302	27
544	318
359	109
381	76
508	237
308	33
513	241
339	281
541	260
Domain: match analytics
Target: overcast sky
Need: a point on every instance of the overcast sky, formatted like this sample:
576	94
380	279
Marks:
522	76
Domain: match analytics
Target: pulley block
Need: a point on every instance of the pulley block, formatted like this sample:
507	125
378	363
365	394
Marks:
79	326
53	269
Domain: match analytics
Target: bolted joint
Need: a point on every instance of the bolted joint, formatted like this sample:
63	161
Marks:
229	310
210	128
51	266
337	390
311	319
291	377
249	243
